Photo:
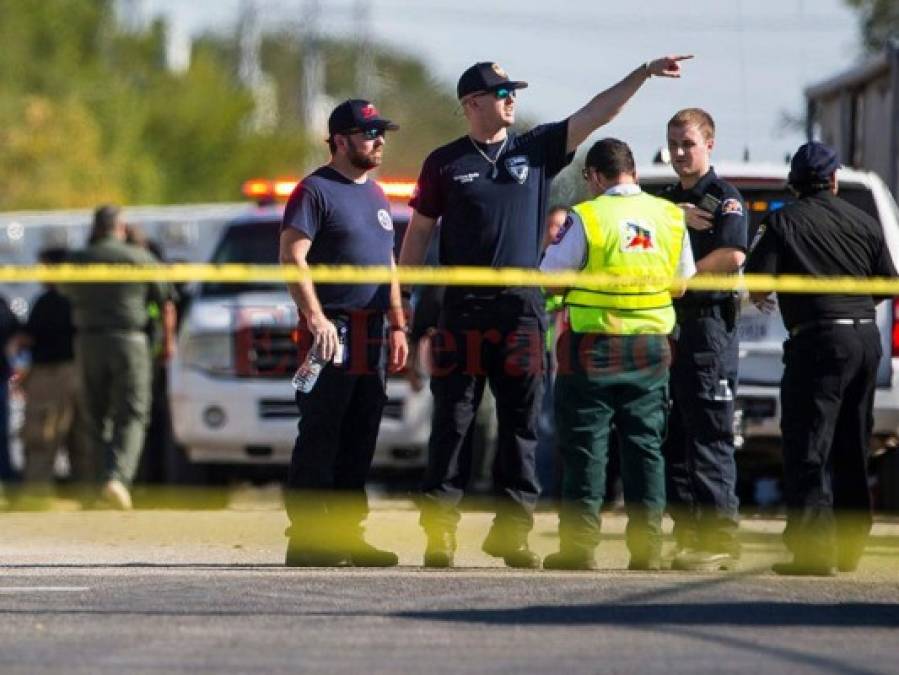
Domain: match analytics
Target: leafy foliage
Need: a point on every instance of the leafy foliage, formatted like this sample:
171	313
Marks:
879	20
89	112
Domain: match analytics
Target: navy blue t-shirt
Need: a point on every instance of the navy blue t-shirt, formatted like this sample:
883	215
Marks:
730	227
492	219
349	224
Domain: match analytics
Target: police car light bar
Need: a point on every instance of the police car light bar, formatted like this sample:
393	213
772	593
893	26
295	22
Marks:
266	191
397	189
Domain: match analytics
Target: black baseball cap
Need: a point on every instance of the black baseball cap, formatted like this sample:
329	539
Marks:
359	115
485	76
813	163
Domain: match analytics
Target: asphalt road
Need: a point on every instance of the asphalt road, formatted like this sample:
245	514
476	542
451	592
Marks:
177	591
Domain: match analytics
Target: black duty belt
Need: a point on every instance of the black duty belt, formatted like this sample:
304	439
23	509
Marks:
822	323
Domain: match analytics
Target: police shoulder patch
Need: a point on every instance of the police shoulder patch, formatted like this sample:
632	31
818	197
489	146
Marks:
731	207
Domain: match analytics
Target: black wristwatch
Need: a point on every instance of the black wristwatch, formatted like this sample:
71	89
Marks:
404	329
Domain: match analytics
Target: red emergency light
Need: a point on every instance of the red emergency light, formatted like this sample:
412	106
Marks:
263	190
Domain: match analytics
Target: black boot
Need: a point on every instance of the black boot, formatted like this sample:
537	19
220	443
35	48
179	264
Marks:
441	548
570	558
512	547
301	555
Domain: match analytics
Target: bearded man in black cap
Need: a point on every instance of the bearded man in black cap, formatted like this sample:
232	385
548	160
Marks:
830	363
490	189
338	214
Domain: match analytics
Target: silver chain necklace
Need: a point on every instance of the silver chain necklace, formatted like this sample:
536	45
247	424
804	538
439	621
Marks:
494	172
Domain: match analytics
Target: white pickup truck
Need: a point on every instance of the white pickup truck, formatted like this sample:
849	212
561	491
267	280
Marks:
764	189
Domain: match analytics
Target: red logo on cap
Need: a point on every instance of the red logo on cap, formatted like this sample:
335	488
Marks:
369	111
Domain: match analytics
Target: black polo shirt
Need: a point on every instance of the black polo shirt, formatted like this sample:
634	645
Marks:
349	223
821	235
51	329
492	218
730	227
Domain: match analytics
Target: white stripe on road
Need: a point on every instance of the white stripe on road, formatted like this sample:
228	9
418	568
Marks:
44	589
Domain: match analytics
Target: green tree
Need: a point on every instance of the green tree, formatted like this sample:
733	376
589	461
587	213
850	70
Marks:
879	21
90	112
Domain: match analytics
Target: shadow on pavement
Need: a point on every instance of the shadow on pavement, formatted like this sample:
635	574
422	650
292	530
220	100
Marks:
869	615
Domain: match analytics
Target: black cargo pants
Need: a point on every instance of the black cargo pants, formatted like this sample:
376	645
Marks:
827	397
336	436
699	449
485	343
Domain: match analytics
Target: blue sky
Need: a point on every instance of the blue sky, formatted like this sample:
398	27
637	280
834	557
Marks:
753	58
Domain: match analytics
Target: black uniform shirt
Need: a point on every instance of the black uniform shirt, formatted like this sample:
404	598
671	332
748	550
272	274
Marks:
51	329
492	220
821	235
349	223
730	228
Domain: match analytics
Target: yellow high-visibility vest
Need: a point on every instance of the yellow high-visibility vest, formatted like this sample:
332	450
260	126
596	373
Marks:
639	237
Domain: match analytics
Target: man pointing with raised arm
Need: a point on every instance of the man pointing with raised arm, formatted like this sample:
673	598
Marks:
490	188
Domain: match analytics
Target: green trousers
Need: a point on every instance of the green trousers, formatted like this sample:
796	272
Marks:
115	396
612	384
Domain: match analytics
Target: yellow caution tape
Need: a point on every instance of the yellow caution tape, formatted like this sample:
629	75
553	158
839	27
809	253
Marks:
442	276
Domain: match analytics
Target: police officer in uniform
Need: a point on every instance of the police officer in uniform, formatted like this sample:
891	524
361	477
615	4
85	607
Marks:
490	188
830	363
613	363
113	355
699	449
338	214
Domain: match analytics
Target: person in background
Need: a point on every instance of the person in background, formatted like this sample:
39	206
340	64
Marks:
830	363
9	326
162	321
113	355
51	392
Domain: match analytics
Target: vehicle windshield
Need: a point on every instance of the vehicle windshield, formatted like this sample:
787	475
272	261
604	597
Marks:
251	244
762	199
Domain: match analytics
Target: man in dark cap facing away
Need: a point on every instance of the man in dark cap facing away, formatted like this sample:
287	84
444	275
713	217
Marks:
830	363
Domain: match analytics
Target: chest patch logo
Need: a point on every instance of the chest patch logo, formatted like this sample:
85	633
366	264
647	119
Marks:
637	237
466	177
518	168
384	220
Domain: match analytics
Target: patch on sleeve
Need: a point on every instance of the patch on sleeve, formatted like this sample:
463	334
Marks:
569	221
731	207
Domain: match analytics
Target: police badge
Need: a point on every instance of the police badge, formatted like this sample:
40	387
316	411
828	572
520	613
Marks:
518	168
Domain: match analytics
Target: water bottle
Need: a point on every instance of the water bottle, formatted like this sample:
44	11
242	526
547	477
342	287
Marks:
307	374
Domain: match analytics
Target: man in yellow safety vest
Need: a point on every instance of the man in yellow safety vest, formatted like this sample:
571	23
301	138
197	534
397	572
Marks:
613	362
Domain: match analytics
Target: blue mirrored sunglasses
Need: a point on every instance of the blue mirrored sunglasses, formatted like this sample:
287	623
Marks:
504	92
369	134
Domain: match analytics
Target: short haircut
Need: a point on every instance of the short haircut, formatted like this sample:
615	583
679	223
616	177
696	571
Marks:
558	207
105	218
611	158
53	256
697	116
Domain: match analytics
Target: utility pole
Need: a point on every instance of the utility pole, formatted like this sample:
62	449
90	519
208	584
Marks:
313	103
261	87
367	82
